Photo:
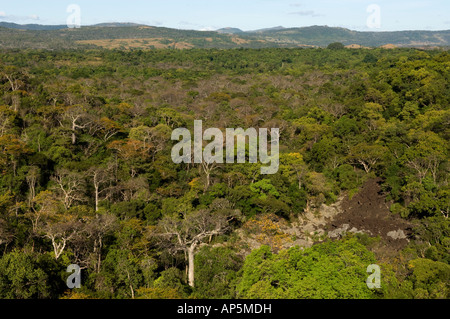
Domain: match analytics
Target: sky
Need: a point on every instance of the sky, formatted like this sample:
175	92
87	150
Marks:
360	15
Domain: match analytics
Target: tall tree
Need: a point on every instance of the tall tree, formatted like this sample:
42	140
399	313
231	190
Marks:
32	181
70	185
16	80
189	232
293	167
367	155
77	118
100	177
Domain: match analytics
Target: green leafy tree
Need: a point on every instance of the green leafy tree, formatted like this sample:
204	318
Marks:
216	272
21	277
264	188
430	279
336	46
293	167
330	270
366	155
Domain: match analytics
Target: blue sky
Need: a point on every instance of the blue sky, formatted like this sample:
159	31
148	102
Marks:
243	14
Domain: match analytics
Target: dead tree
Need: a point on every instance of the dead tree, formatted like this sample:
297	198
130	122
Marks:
70	186
188	233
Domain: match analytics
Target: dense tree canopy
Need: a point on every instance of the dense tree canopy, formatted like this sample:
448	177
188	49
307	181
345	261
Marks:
86	174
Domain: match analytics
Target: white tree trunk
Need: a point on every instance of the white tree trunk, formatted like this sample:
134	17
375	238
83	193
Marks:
96	197
58	248
15	102
74	138
131	286
191	265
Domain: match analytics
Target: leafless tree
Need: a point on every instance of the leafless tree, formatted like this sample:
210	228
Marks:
70	186
60	229
188	233
6	235
77	119
87	244
42	205
134	186
32	178
16	82
100	177
208	168
5	121
424	165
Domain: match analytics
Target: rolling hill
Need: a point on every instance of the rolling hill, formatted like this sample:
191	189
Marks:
35	27
230	31
134	36
322	35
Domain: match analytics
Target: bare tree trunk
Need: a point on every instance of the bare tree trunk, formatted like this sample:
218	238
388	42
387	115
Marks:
208	181
191	231
96	198
131	286
58	248
99	261
74	137
191	265
207	169
187	266
15	102
366	166
14	167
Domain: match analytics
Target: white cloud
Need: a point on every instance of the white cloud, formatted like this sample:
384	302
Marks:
14	18
188	23
208	29
196	26
306	13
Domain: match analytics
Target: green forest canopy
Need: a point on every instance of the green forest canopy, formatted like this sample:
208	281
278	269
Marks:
86	175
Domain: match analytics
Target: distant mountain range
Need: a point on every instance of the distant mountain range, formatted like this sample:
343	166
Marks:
268	29
230	31
136	36
41	27
237	31
36	27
